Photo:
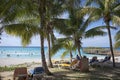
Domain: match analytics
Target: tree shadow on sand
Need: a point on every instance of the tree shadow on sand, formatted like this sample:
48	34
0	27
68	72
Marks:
97	73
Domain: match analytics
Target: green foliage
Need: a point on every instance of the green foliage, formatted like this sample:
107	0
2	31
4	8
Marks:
6	68
117	40
24	31
63	43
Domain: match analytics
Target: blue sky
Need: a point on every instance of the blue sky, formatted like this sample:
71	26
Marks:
99	41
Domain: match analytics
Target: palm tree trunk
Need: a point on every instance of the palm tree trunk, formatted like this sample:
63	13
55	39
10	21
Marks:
49	56
79	52
79	49
43	57
42	14
110	41
71	56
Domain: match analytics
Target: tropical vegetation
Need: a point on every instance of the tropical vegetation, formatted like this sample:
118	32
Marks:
108	11
117	40
27	18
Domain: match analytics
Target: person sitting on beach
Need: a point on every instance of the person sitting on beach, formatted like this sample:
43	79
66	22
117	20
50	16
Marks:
94	59
107	58
78	57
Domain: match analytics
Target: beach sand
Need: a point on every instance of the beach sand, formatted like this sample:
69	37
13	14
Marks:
8	75
16	61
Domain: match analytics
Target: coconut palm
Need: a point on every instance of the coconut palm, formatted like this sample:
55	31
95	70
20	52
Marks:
117	40
75	29
108	10
63	43
52	13
68	45
12	11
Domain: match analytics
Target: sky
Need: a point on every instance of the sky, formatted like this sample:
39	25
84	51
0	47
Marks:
99	41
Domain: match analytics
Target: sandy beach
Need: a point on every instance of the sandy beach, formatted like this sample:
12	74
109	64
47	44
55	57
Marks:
8	75
16	61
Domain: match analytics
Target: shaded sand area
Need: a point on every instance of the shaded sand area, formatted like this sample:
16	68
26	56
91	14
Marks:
95	73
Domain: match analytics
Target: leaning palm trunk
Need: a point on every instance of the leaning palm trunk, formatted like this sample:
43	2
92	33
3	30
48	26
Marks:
78	45
49	57
42	14
43	56
79	52
111	47
71	56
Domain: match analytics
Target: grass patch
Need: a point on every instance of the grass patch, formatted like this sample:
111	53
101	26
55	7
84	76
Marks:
94	74
12	67
6	68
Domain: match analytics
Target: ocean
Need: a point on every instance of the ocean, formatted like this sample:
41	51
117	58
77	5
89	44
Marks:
34	53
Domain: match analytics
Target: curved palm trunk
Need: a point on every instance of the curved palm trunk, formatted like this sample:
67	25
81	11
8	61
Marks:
110	41
71	56
42	14
79	51
43	57
49	57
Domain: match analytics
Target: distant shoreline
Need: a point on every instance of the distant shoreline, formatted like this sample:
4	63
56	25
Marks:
47	46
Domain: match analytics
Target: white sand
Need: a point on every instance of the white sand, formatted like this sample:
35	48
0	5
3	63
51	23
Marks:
15	61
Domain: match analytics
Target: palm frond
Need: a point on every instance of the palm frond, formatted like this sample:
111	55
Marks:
117	36
116	7
59	24
64	53
61	40
88	2
55	48
117	44
95	3
95	32
116	19
24	31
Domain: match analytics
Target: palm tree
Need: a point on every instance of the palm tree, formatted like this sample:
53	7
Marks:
63	43
20	8
117	40
68	46
52	13
108	11
75	29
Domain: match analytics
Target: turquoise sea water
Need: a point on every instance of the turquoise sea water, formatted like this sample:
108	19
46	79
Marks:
34	52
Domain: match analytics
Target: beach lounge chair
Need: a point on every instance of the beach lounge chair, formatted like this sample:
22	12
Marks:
101	63
106	59
20	73
81	64
75	64
94	61
64	64
105	62
36	73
